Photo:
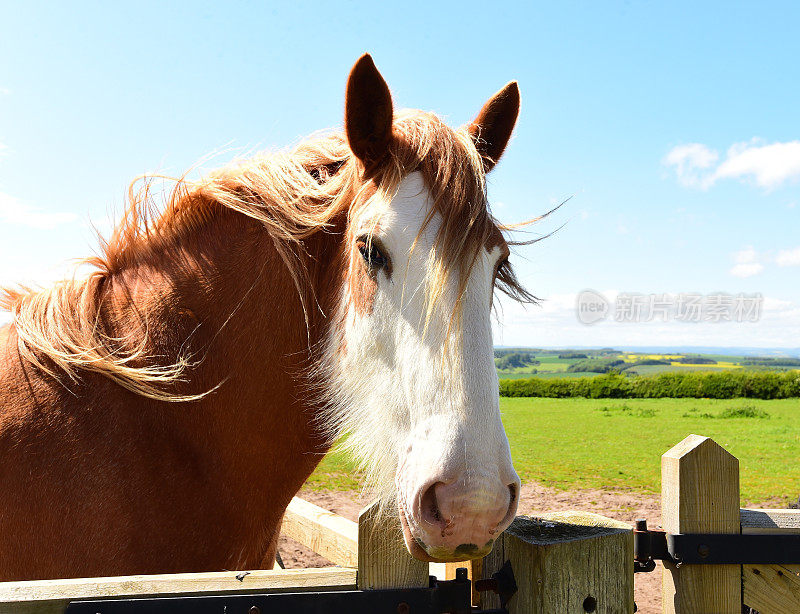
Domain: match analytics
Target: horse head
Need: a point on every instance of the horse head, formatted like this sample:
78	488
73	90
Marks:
412	379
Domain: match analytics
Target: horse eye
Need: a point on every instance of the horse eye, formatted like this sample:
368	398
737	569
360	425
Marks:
372	255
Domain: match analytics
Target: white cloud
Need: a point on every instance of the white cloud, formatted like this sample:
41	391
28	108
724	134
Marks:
747	263
776	304
768	165
689	160
15	211
788	257
746	255
747	269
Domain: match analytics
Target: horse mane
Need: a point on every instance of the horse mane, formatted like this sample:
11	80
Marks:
294	195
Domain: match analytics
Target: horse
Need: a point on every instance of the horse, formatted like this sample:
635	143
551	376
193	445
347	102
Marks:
158	414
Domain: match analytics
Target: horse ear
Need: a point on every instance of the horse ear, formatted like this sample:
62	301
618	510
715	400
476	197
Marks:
492	129
368	112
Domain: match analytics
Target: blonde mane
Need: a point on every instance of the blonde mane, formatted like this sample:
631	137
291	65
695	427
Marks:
294	195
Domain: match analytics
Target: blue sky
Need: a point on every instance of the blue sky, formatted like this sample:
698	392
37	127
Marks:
674	127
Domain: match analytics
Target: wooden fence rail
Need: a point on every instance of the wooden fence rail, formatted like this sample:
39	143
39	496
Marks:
326	533
52	596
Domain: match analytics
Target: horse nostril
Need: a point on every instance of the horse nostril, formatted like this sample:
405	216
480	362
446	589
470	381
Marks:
449	508
430	513
512	489
512	508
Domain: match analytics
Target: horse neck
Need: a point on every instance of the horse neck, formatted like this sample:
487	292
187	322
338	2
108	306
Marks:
226	297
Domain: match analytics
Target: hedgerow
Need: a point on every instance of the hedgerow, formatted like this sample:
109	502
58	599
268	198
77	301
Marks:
719	385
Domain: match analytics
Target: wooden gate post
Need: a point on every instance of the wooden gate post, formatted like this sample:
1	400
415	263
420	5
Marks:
383	561
565	562
700	494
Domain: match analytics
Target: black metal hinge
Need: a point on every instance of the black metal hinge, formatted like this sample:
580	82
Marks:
711	548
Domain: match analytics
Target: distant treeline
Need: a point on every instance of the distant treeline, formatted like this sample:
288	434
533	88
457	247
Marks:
500	352
611	365
693	359
595	365
772	362
513	360
568	355
723	385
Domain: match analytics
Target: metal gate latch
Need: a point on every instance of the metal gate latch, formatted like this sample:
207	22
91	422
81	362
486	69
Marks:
502	583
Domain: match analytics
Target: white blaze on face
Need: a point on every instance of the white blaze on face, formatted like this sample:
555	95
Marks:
421	405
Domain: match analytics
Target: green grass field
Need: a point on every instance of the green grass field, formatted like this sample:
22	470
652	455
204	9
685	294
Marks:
615	444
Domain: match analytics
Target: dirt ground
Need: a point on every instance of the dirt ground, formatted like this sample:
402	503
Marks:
534	498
